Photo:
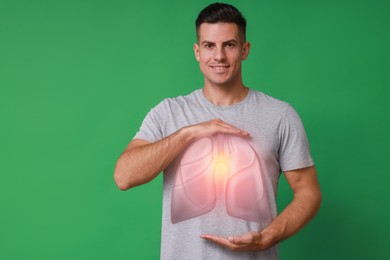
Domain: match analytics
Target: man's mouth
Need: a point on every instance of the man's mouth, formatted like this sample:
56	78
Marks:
219	67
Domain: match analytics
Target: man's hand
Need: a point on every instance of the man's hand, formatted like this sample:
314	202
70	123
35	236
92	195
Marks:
212	127
142	161
251	241
303	207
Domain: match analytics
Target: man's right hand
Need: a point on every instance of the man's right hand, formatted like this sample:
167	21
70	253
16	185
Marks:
212	127
142	161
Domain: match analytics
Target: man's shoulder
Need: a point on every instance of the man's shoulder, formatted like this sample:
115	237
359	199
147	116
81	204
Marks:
269	101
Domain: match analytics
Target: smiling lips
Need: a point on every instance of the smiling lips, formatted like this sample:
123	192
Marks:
219	68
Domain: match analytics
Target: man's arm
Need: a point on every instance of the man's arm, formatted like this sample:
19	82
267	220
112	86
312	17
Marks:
142	161
303	207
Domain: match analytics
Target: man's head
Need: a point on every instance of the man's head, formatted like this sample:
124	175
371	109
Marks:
221	13
221	45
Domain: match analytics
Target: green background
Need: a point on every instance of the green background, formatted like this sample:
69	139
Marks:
77	78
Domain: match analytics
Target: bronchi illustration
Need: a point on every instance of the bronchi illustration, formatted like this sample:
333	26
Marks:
219	170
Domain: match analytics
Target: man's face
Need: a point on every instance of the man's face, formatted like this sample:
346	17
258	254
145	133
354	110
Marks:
219	51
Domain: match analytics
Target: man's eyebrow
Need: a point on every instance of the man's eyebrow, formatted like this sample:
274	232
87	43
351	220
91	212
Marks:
203	42
231	40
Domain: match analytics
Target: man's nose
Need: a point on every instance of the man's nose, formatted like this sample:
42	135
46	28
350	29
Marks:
219	54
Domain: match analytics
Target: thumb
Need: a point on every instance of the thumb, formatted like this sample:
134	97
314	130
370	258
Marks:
247	238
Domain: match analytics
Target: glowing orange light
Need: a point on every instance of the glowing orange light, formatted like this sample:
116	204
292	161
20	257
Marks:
221	169
222	172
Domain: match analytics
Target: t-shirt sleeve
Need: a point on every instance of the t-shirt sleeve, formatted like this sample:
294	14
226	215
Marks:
151	129
294	151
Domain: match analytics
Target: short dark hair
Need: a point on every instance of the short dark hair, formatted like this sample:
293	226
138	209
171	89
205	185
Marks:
221	13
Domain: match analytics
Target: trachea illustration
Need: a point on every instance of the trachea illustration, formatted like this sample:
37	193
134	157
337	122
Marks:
219	170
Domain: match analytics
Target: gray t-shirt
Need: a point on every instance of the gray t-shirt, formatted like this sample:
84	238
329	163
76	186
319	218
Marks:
192	201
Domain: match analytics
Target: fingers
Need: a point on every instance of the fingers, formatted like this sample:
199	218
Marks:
221	241
229	128
212	127
249	241
217	126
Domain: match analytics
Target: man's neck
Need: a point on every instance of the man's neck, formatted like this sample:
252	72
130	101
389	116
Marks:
225	95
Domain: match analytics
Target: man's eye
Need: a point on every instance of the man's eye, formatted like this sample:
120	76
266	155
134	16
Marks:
208	46
230	45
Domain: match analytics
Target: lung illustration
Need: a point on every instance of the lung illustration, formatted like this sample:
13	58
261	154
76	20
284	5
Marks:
219	168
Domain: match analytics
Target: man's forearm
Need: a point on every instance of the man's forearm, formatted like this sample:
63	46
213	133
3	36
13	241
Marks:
306	202
293	218
303	207
143	163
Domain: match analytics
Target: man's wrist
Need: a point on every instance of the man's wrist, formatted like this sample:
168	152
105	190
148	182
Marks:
186	135
272	235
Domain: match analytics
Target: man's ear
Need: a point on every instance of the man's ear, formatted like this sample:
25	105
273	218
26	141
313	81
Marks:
245	50
196	51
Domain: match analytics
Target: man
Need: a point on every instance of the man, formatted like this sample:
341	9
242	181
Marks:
222	149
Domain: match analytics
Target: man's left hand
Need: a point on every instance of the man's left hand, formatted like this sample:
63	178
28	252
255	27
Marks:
251	241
